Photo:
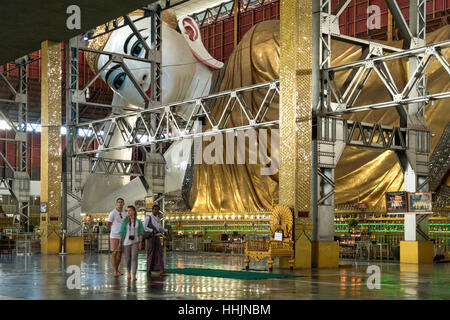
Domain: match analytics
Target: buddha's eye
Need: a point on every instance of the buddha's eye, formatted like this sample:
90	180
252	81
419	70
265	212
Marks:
136	49
119	80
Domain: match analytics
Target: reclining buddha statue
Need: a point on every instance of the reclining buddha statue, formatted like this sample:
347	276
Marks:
188	71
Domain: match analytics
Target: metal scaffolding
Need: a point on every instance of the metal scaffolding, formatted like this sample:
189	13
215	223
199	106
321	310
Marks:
440	160
18	184
74	173
345	97
96	135
156	124
410	141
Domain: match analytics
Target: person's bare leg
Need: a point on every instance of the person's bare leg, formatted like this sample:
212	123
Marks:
127	254
134	260
118	259
114	264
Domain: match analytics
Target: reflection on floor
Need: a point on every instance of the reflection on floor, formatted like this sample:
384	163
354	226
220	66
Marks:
44	277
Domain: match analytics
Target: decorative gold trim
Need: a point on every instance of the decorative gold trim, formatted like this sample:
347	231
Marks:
281	221
169	18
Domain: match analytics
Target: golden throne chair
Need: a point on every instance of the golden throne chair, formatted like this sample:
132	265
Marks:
281	222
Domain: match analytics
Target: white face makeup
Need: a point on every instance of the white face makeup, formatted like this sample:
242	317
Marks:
124	41
183	76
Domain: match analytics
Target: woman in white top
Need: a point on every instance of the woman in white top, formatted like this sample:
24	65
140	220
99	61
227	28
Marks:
131	235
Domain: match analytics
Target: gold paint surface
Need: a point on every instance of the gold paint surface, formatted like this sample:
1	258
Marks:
361	175
51	153
365	175
241	187
295	104
281	221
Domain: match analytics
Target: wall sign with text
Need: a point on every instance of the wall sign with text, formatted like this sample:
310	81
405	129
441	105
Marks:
396	202
420	202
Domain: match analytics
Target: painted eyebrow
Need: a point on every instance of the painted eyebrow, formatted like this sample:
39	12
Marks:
110	71
125	45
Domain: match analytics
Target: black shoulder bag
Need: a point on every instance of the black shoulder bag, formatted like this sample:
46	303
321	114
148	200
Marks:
148	235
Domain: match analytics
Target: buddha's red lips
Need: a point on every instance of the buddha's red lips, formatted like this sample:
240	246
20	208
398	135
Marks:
149	91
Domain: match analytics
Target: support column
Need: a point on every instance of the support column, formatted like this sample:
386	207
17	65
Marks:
295	160
71	196
21	184
416	248
325	251
51	154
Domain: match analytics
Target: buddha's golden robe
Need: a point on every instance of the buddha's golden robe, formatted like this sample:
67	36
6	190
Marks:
361	175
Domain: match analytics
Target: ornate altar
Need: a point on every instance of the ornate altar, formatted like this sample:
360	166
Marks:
280	243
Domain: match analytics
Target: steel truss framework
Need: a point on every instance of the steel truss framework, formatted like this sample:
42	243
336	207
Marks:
345	97
152	57
331	132
115	167
362	134
411	140
225	9
76	96
19	186
97	134
440	160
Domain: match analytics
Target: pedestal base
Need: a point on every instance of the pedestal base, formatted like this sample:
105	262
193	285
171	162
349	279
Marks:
284	262
325	254
74	245
50	244
416	252
302	247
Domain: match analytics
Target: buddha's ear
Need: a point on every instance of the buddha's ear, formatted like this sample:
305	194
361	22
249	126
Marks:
191	32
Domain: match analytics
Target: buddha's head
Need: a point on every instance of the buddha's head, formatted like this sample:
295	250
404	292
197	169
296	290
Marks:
182	53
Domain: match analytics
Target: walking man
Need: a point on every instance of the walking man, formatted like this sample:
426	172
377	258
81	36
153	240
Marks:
152	224
114	223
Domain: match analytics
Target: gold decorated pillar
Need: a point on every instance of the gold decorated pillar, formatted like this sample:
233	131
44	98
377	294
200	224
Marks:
51	154
295	162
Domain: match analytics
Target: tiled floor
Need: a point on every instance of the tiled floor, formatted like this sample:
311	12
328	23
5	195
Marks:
44	277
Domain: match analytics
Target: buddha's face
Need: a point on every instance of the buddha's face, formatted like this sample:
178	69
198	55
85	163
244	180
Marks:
124	41
179	65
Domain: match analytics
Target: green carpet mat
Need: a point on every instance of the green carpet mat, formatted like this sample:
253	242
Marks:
231	274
